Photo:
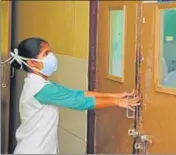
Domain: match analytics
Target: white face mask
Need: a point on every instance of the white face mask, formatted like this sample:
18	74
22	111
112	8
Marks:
50	62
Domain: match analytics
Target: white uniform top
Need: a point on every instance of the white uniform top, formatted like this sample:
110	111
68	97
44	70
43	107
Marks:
37	133
39	100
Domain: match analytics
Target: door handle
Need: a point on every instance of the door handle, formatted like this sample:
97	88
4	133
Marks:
128	115
132	116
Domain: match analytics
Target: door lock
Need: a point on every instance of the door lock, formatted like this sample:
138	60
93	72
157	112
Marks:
142	145
133	132
138	146
142	140
146	138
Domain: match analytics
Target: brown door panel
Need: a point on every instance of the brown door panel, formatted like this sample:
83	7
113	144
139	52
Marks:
159	99
112	124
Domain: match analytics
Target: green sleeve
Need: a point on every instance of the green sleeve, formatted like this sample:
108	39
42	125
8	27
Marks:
55	94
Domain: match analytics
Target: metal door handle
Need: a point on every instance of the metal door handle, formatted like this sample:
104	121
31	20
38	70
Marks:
132	116
128	116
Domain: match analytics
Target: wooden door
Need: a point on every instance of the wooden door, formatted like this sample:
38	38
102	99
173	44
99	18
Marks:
158	75
5	14
115	72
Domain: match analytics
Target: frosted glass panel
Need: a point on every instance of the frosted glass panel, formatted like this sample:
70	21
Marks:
116	43
167	63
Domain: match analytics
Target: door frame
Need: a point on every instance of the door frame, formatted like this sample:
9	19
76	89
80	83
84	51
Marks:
7	82
93	12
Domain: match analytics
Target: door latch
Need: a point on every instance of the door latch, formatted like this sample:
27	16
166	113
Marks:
138	146
142	140
133	132
146	138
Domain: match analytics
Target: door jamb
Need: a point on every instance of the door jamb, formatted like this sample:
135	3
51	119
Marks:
92	72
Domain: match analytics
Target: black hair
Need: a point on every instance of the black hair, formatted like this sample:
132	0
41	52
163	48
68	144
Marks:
28	48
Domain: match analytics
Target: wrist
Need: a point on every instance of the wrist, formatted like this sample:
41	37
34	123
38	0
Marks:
117	102
114	95
110	95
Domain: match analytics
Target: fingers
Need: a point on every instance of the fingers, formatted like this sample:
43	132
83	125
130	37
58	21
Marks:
131	103
134	100
130	108
134	105
130	94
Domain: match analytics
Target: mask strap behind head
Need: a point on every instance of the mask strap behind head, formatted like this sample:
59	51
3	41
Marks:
14	56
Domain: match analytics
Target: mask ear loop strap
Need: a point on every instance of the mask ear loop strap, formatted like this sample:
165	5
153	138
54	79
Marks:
20	60
32	68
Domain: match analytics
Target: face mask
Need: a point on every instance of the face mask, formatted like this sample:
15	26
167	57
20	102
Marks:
50	62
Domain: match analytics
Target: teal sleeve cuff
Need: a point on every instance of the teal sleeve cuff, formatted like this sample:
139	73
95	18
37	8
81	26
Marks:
55	94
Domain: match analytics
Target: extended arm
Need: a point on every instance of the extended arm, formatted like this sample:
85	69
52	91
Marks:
55	94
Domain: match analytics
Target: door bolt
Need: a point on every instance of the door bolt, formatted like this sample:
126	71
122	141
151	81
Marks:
133	132
138	146
146	138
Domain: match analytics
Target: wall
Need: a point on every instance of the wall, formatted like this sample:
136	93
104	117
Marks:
4	28
65	24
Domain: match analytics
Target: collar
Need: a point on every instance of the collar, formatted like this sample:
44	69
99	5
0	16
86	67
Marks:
36	78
